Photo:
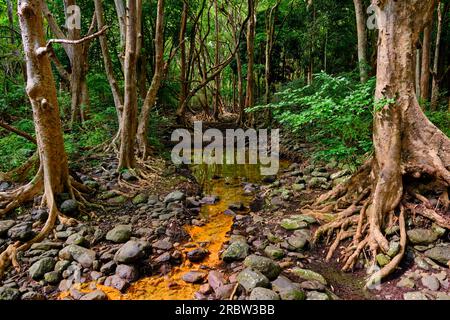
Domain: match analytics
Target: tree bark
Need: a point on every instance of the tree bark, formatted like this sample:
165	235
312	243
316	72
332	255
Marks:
426	58
436	80
270	30
362	39
150	99
251	29
129	118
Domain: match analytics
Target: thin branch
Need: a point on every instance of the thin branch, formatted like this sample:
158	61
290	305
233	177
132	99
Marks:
18	132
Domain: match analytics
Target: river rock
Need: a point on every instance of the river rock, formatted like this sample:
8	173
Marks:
263	294
9	294
41	267
430	282
439	254
127	272
266	266
299	240
317	182
174	196
62	265
69	207
163	244
315	295
417	295
82	255
139	199
95	296
422	236
132	251
119	234
406	282
32	296
193	276
197	255
21	232
5	225
108	267
287	289
274	252
309	275
238	206
52	277
250	279
293	224
117	282
215	280
78	240
236	251
46	245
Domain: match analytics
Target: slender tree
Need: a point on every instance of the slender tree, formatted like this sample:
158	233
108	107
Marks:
362	39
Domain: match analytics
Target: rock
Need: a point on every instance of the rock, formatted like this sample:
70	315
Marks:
422	236
52	277
291	224
274	252
287	289
21	232
5	225
309	275
440	254
174	196
69	207
215	280
61	265
297	187
46	245
394	248
421	263
239	206
269	179
119	234
132	251
4	186
117	282
210	200
32	296
95	295
417	295
406	282
140	198
41	267
263	294
251	279
339	174
118	200
317	182
312	285
266	266
108	268
128	176
442	296
9	294
165	257
78	240
126	272
164	244
197	255
193	276
81	255
236	251
299	240
224	292
319	174
431	282
315	295
382	259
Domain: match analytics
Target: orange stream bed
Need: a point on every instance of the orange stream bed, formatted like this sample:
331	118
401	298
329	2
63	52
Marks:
214	233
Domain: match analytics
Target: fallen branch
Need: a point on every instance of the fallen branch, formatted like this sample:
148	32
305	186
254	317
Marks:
21	133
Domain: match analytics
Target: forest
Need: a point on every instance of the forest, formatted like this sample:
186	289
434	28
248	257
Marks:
347	102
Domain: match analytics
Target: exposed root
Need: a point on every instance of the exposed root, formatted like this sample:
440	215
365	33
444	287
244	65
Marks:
21	173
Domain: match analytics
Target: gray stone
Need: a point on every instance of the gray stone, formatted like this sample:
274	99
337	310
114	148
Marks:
406	282
394	248
287	289
266	266
46	245
431	282
61	265
274	252
298	187
95	295
52	277
5	225
81	255
215	280
164	244
21	232
78	240
69	207
9	294
140	198
236	251
197	255
439	254
417	295
41	267
117	282
119	234
309	275
174	196
315	295
382	259
108	268
422	236
193	276
263	294
250	279
339	174
317	182
32	296
292	224
132	251
127	272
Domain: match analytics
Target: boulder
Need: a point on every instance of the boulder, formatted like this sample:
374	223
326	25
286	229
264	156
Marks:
309	275
41	267
174	196
263	294
119	234
81	255
9	294
440	254
236	251
274	252
251	279
95	295
69	207
5	225
422	236
266	266
132	251
287	289
193	276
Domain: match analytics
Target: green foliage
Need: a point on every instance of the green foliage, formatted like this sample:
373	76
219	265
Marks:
15	150
335	113
441	119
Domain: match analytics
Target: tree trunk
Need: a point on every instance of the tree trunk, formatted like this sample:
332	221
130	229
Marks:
270	29
362	39
150	99
436	80
121	17
129	118
11	20
251	28
217	61
426	58
183	62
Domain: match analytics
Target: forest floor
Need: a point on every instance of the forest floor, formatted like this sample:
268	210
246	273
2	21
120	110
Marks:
207	233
